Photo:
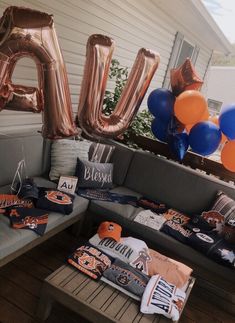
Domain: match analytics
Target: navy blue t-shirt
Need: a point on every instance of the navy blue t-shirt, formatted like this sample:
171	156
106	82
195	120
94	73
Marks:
55	200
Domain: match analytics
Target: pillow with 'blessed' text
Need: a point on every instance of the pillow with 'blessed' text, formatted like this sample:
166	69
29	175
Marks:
94	175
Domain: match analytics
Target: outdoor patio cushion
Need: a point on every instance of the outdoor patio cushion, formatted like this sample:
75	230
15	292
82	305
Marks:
121	158
121	213
16	148
12	239
178	186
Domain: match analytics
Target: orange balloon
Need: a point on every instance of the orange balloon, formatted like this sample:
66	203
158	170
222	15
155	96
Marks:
204	117
228	156
215	120
188	127
190	106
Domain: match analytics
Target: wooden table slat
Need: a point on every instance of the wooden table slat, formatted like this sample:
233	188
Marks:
56	272
59	276
89	289
76	283
150	318
131	312
116	306
105	297
124	308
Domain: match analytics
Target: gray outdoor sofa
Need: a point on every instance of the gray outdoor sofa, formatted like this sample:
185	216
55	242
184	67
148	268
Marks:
135	173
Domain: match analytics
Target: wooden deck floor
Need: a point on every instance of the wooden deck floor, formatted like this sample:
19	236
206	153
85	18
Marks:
20	283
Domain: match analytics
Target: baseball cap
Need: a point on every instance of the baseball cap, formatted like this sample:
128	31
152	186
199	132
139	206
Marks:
109	230
28	189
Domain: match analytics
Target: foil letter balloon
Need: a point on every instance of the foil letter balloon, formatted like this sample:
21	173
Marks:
30	33
91	118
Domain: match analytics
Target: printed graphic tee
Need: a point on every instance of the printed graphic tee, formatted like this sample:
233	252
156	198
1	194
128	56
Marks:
171	270
150	219
90	261
130	250
163	298
54	200
127	278
29	218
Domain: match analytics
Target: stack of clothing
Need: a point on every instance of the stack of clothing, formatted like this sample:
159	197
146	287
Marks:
130	266
30	208
206	233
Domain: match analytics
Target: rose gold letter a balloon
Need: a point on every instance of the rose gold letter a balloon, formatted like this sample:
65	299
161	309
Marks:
26	32
90	115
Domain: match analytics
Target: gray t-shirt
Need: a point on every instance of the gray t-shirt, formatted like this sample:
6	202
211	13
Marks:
127	277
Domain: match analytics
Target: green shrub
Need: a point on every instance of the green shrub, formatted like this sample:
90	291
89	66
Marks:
141	125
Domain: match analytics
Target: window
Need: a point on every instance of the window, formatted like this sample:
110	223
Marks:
186	50
180	51
214	106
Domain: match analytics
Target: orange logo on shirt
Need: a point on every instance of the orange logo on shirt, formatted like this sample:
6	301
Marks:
14	213
58	197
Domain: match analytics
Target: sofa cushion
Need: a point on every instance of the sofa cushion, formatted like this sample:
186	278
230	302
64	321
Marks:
100	153
120	213
225	206
121	158
12	239
64	154
17	147
176	185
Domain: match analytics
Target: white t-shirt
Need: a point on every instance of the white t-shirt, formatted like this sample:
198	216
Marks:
150	219
163	298
130	250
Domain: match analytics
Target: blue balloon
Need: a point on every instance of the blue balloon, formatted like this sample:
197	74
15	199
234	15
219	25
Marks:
204	138
160	129
161	104
227	121
179	144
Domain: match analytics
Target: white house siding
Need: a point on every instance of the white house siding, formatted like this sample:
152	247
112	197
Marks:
220	84
131	23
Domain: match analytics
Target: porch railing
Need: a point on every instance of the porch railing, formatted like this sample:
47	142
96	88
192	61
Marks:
191	159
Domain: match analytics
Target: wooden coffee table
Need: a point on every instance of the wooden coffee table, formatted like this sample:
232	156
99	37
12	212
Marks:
94	300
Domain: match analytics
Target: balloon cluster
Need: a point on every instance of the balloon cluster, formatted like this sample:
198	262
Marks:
182	118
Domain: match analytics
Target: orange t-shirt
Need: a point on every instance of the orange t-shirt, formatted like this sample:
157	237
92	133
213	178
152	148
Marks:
171	270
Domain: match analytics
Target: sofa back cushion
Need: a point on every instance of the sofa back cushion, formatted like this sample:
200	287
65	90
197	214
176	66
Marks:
178	186
121	159
16	147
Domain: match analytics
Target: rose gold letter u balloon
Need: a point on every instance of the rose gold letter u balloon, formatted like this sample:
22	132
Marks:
90	115
26	32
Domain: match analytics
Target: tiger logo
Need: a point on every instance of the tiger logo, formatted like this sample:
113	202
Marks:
58	197
214	218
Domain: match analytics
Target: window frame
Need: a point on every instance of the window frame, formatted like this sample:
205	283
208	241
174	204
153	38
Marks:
175	54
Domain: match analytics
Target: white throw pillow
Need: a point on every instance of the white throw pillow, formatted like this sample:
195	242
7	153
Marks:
64	154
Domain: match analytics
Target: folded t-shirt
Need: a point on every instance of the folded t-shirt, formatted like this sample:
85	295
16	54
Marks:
163	298
29	218
8	200
150	219
90	261
152	205
130	250
54	200
214	247
126	277
171	270
176	231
